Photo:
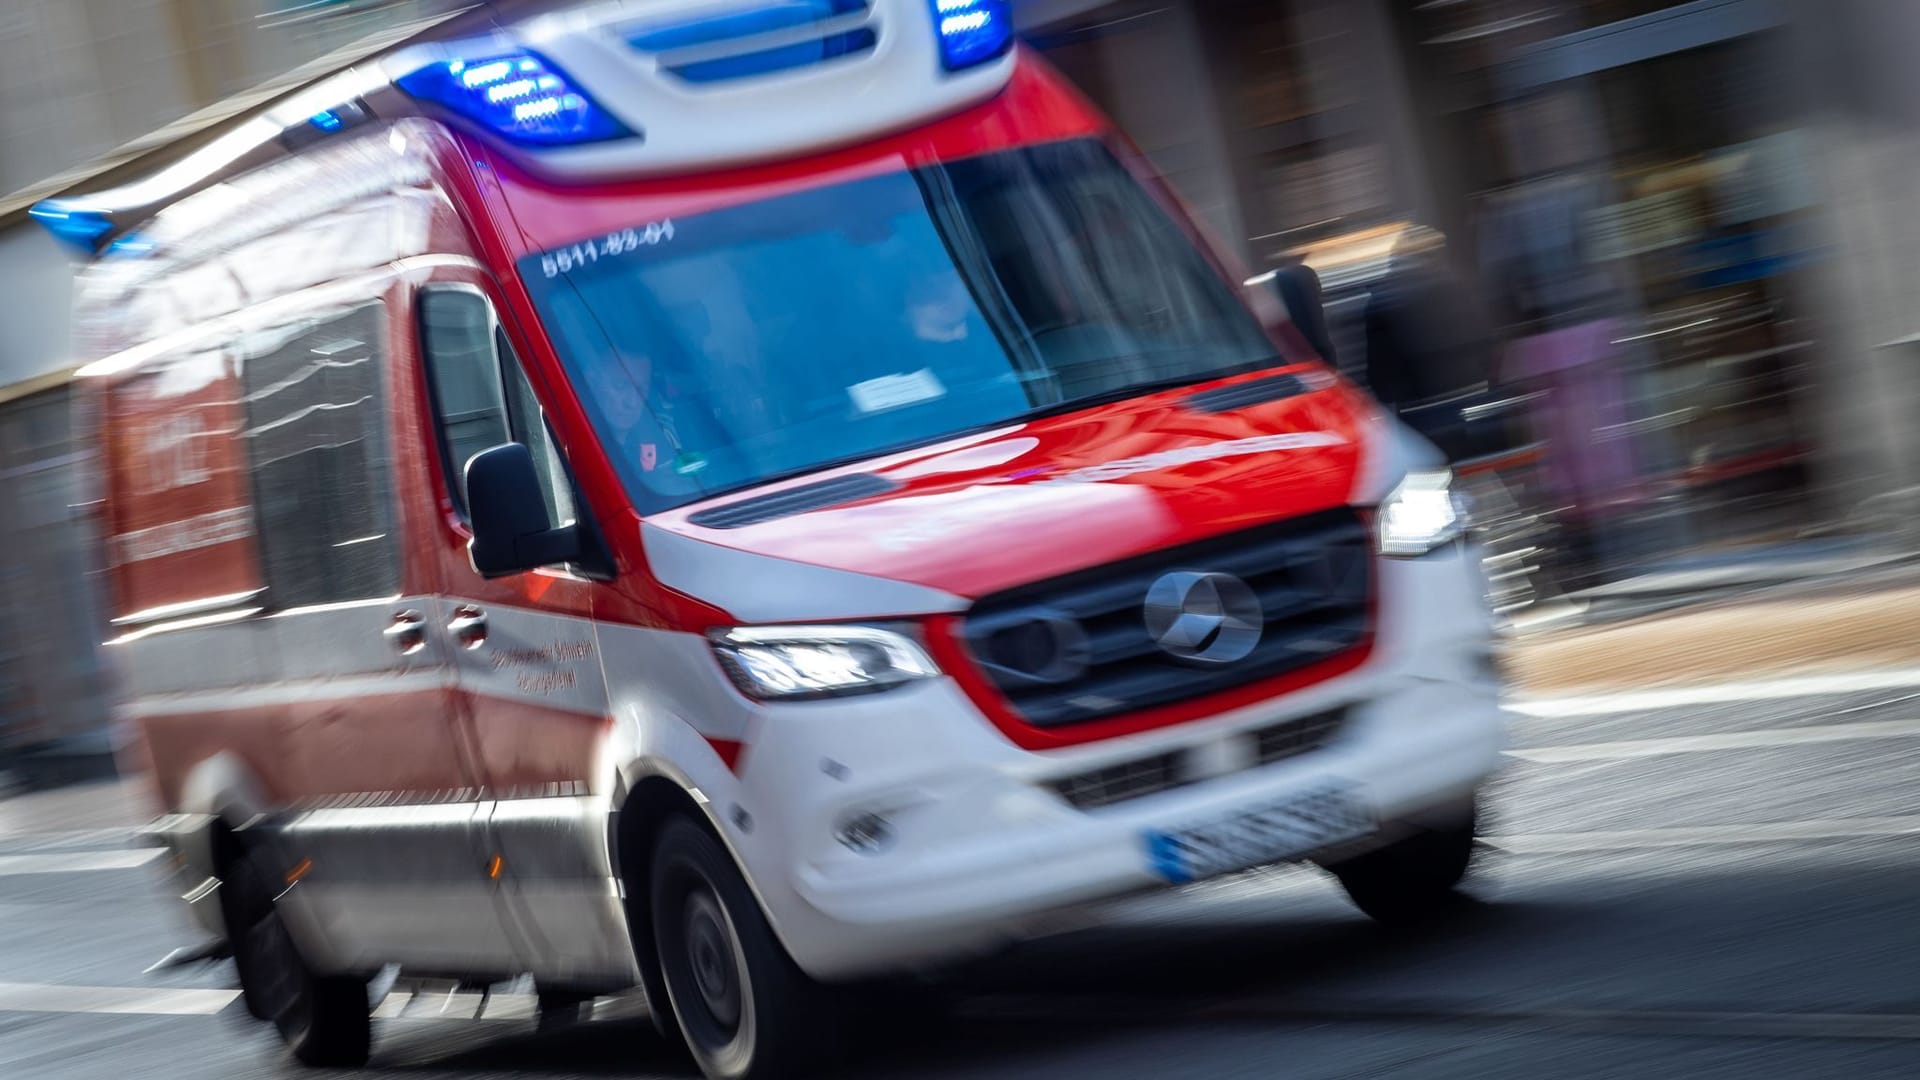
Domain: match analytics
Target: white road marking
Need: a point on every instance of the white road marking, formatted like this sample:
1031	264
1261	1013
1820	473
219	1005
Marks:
510	1007
461	1005
1722	740
44	998
1703	835
28	840
1715	693
67	862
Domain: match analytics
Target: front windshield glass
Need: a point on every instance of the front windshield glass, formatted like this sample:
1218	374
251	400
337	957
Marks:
762	341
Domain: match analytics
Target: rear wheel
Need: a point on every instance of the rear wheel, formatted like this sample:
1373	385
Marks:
743	1007
1415	880
324	1019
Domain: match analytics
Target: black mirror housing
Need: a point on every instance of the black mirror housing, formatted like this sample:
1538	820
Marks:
1299	289
511	530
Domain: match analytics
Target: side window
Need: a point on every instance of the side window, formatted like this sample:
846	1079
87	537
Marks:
315	439
481	397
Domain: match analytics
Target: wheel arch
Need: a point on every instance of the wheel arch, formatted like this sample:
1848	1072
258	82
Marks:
646	795
219	799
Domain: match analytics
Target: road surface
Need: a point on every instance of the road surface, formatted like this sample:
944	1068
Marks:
1673	887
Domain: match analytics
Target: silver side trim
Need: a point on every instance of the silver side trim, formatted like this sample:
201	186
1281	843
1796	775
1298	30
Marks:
186	607
286	693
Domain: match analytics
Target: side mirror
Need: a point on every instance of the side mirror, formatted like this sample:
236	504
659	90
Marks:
511	530
1299	289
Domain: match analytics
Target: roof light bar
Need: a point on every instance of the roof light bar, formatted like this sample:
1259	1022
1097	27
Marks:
519	97
972	32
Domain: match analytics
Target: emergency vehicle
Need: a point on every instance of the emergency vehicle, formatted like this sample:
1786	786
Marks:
730	498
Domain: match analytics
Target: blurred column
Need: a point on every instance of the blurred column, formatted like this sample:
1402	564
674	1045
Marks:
1854	65
1353	56
1160	89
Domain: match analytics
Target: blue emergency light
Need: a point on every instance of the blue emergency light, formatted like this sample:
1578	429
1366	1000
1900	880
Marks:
519	96
972	32
83	229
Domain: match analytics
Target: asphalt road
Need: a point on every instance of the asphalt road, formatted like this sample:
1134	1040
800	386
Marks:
1696	889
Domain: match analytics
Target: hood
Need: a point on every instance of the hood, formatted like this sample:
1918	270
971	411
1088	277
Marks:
972	516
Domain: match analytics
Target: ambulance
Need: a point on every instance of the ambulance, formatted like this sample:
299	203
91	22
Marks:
733	499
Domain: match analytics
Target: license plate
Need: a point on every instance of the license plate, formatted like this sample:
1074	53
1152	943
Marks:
1274	832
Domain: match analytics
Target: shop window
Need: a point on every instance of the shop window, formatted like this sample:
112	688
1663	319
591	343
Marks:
481	395
316	441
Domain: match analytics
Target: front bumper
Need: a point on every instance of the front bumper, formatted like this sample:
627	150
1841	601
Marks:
980	848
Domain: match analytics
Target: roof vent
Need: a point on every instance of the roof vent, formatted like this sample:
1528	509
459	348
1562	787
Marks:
762	40
794	500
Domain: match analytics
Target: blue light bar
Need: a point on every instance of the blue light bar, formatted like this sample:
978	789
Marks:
82	229
327	121
519	96
972	32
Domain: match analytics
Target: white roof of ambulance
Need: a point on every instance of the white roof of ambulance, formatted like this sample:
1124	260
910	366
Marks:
683	125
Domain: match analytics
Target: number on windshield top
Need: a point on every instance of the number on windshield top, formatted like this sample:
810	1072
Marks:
574	256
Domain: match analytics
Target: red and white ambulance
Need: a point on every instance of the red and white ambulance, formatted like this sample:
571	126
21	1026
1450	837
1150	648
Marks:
727	496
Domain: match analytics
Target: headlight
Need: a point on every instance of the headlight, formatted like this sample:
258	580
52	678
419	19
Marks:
1423	513
784	663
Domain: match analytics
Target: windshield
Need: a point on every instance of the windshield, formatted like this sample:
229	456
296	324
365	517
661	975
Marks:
719	351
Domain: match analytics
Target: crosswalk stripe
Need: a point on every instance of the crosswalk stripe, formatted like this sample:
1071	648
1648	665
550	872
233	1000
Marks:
1704	835
67	862
1720	740
48	998
75	838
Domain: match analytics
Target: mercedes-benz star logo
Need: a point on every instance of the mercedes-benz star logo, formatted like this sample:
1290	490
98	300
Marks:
1214	618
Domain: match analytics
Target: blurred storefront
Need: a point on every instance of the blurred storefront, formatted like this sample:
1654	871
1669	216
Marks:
1638	189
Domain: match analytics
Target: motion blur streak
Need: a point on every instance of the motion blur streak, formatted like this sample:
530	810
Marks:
644	531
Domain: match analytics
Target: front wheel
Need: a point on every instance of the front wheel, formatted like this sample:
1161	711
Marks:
743	1007
324	1019
1415	880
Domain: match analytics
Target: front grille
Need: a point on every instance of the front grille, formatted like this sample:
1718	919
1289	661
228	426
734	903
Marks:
1119	783
1300	735
1077	648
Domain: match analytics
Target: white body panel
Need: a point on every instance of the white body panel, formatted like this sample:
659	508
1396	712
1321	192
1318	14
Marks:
982	852
981	848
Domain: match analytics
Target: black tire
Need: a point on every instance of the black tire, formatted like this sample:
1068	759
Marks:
745	1011
325	1020
1412	881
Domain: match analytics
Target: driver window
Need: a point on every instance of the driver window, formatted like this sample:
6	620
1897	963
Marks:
481	397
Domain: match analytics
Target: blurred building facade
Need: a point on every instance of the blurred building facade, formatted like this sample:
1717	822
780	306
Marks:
1691	218
91	92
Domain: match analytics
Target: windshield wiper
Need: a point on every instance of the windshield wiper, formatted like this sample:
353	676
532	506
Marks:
1142	389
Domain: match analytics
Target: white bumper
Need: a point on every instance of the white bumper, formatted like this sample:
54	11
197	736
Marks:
980	847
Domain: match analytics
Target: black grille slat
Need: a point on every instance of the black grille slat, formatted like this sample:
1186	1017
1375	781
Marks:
1120	783
1120	642
1312	577
1301	735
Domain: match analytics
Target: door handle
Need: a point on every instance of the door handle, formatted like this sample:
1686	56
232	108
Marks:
407	632
468	626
